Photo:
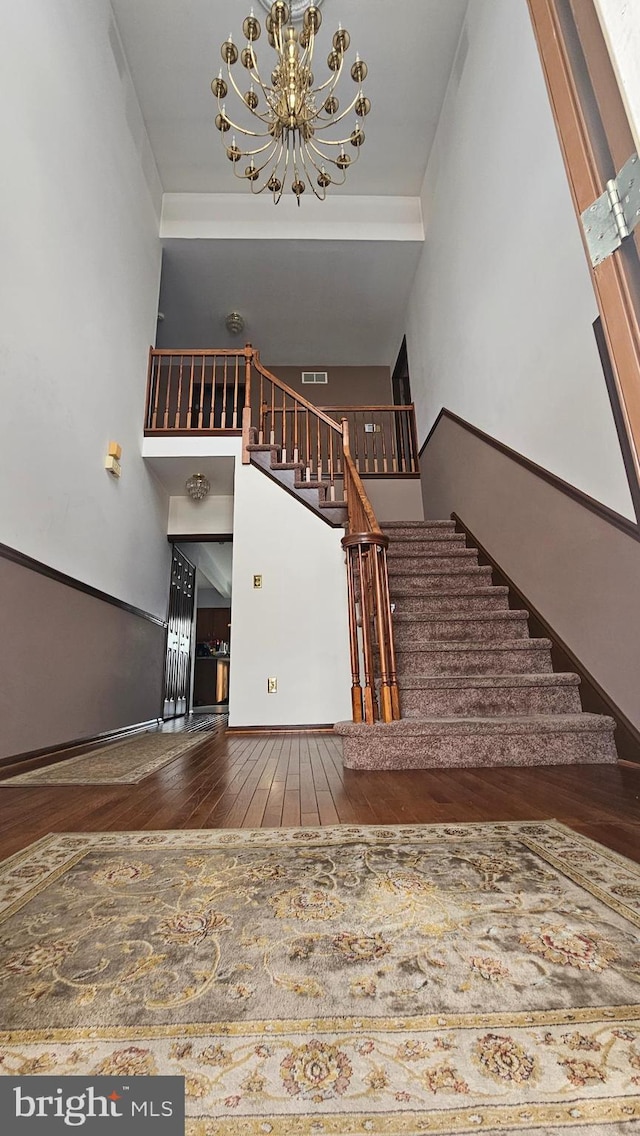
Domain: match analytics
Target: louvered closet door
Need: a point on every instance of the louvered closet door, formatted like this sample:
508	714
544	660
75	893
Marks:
179	632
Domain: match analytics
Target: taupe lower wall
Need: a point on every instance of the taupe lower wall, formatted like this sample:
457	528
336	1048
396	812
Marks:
346	386
71	665
395	498
580	571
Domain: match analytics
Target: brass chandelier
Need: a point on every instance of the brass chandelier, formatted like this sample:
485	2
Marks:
289	112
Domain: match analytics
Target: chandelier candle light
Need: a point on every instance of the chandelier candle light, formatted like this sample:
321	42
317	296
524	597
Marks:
289	112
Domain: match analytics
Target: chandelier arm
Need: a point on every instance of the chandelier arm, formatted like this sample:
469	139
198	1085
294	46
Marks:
286	168
320	194
241	129
333	80
273	170
327	159
337	142
259	149
305	152
307	57
343	114
303	149
258	169
256	78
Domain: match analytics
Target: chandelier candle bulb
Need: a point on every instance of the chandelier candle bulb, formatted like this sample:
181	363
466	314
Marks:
288	142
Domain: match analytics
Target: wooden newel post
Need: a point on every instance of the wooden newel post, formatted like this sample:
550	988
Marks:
356	688
246	410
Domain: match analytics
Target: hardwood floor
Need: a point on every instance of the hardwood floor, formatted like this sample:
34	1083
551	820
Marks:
268	780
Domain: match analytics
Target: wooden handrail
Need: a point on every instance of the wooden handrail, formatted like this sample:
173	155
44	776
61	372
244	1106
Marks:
362	519
295	395
371	626
248	350
347	406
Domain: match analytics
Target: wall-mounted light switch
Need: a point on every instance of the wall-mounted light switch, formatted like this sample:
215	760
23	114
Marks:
272	686
257	581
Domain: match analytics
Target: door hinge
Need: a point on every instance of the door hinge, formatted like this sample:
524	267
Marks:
615	214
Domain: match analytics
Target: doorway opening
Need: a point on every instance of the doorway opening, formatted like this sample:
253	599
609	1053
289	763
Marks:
210	639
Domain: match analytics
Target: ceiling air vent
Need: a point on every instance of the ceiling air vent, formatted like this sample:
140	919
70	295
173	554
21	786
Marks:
314	377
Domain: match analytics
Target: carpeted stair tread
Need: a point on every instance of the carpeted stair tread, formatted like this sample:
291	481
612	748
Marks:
403	546
489	696
451	682
449	645
478	626
406	591
463	657
450	553
441	581
409	600
508	616
414	526
446	743
332	504
539	723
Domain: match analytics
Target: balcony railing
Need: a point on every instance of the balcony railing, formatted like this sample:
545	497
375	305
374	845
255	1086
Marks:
199	392
383	438
206	392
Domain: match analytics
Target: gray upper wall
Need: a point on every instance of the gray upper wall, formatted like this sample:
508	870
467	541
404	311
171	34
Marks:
502	307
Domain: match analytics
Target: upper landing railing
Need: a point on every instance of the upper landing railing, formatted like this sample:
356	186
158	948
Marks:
206	392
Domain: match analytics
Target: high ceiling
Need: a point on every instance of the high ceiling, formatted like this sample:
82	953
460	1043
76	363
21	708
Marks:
322	301
305	303
173	50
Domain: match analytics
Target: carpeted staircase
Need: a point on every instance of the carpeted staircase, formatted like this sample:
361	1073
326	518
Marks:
475	689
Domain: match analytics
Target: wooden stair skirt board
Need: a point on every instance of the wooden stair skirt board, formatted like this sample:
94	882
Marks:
475	688
291	476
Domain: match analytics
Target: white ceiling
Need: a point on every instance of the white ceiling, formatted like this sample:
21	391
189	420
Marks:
173	51
323	301
213	563
172	473
304	302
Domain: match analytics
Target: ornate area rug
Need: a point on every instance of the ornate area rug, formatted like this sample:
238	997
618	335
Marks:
124	763
334	982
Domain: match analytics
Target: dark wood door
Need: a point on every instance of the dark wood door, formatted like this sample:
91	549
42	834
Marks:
400	385
177	678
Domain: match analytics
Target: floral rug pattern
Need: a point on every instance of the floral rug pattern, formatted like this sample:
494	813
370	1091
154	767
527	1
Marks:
334	982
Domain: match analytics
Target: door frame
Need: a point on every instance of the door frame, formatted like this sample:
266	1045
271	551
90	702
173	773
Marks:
596	140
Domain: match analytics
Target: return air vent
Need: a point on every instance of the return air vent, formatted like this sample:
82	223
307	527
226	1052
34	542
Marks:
314	377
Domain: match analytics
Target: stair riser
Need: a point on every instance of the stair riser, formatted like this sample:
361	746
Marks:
493	630
457	579
472	751
487	703
466	558
422	547
470	662
462	604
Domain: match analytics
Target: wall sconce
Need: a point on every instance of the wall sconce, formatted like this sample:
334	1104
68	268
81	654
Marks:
197	486
112	460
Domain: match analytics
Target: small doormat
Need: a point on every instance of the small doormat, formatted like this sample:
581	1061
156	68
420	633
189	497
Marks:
334	982
123	763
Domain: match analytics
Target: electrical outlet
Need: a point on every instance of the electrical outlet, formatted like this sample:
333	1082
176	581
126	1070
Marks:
257	581
272	686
